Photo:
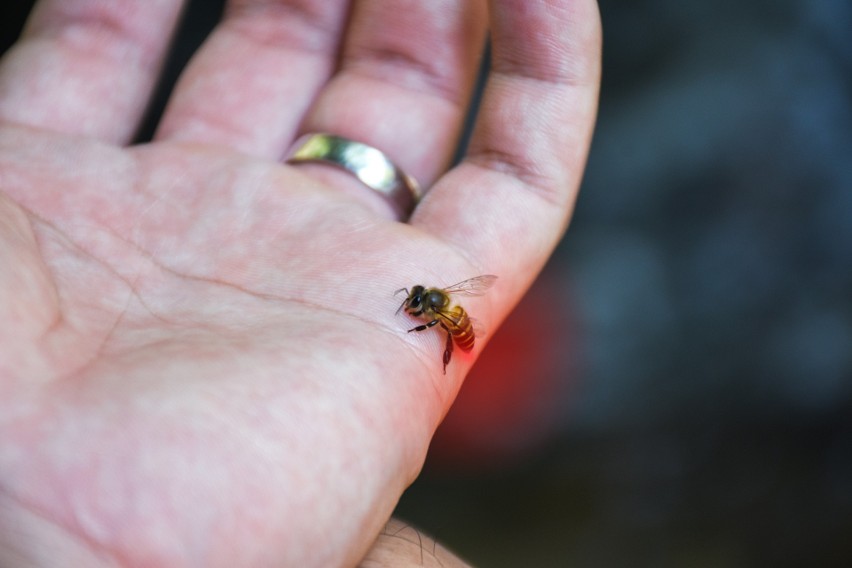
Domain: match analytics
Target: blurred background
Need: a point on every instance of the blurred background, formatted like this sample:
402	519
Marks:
676	390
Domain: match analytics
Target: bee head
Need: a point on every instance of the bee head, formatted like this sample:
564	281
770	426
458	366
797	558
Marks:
413	299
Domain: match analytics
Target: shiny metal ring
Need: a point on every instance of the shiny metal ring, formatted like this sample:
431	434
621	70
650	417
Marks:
369	165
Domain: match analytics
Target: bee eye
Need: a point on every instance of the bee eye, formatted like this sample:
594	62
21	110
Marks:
416	299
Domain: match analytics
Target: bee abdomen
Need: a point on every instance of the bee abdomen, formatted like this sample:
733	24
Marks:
463	333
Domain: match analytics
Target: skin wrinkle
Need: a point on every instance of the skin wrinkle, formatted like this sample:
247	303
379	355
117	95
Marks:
403	61
194	117
557	60
114	558
60	318
56	318
134	292
100	350
261	23
421	352
506	164
101	344
395	67
546	181
98	33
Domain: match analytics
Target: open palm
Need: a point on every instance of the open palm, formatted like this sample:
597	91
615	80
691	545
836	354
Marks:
200	360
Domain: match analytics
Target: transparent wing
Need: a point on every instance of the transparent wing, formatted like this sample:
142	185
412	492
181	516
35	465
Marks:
478	328
475	286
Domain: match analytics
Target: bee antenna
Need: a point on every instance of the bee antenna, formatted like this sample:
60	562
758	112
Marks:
403	302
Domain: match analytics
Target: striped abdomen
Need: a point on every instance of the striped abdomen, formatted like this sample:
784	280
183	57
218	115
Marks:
461	328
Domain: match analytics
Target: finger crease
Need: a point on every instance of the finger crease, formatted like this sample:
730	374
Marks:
522	170
403	70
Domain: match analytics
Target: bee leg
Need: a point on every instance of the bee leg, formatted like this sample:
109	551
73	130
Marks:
424	326
448	351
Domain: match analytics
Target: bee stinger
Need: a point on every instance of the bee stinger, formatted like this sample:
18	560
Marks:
435	307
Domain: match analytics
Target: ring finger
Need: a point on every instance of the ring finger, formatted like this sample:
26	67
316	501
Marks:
404	83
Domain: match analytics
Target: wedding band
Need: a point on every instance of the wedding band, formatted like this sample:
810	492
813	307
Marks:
368	164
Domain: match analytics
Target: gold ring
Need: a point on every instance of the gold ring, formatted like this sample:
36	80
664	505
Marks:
368	164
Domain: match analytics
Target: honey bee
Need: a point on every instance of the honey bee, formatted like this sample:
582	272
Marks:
434	305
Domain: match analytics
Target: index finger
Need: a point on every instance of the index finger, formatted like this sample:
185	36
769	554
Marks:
507	204
86	66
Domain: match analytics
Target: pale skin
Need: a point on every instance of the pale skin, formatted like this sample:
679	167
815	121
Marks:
200	360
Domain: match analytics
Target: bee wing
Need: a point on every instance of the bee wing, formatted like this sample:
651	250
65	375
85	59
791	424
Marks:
478	329
475	286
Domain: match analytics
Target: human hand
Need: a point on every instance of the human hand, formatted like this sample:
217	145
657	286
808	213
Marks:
200	362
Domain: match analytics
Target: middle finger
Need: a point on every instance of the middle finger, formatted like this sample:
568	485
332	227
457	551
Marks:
407	70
